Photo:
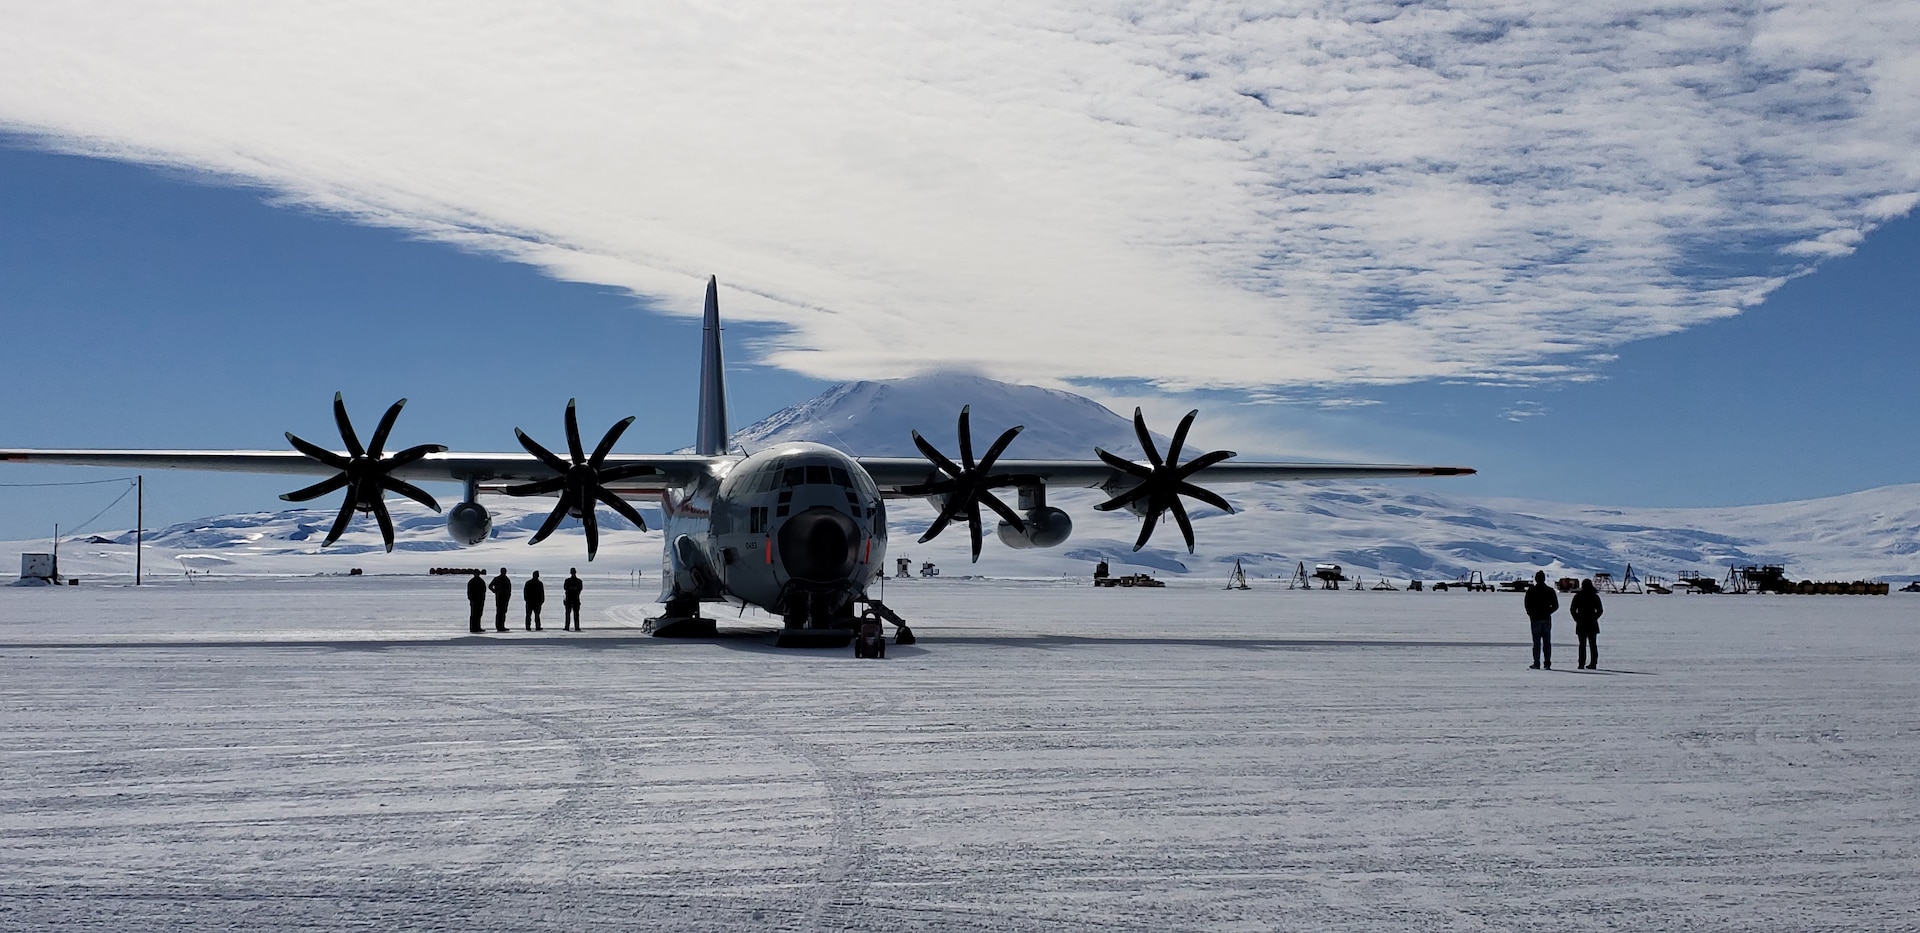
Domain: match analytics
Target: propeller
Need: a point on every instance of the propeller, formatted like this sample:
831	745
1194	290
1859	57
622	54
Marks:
363	473
967	484
1163	483
581	482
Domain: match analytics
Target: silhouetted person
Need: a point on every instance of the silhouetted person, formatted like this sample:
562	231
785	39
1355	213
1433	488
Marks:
476	602
1586	609
502	595
1541	601
535	595
570	602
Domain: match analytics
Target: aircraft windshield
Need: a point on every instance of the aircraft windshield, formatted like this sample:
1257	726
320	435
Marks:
815	475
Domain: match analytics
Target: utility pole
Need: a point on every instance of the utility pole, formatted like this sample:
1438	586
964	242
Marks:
56	553
139	520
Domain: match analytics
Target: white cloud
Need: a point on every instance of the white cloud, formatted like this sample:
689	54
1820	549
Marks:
1252	195
1520	411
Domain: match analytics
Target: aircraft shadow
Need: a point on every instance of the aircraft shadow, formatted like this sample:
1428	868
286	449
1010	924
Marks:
1270	644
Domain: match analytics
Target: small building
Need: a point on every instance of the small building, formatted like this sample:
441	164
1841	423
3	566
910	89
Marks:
39	568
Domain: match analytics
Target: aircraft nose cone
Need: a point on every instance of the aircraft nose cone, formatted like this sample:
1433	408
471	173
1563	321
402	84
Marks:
818	545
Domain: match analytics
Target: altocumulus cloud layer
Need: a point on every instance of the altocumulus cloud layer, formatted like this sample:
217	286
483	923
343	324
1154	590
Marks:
1194	194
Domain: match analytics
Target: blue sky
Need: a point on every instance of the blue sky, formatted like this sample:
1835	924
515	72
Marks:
1613	253
149	308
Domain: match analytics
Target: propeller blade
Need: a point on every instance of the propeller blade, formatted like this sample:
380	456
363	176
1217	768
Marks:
938	488
1180	437
1146	529
999	446
410	491
318	489
620	505
606	443
380	431
1146	438
553	518
409	455
973	528
346	427
1208	496
386	522
966	437
317	452
1202	462
1124	498
939	524
593	528
1180	518
1122	464
939	459
573	434
1011	517
542	454
340	522
540	488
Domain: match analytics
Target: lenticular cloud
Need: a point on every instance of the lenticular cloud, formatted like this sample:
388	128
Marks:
1237	195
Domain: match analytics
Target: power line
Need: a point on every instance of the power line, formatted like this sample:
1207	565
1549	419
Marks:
131	484
89	482
110	505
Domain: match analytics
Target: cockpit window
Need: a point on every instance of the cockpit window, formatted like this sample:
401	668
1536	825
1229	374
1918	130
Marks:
818	475
840	478
794	476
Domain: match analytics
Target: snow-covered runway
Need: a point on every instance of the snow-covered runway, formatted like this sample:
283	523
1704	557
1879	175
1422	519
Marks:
338	754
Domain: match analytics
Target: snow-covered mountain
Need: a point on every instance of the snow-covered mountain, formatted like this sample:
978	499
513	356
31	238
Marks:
877	419
1399	529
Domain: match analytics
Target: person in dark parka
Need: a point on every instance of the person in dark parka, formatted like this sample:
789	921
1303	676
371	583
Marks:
570	604
535	596
502	594
476	602
1541	602
1586	611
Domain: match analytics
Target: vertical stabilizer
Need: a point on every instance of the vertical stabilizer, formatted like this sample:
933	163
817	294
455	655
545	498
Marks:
710	435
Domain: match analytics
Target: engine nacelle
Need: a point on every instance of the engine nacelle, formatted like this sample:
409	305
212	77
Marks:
468	523
1046	527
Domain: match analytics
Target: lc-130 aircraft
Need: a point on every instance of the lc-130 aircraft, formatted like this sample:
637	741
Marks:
796	529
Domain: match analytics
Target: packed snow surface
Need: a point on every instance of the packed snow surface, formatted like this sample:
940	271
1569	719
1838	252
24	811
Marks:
337	753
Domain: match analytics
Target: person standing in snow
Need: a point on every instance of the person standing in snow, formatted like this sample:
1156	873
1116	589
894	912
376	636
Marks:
1586	609
1541	602
476	602
570	604
534	595
502	594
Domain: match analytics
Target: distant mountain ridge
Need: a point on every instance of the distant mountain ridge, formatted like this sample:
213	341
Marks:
1400	529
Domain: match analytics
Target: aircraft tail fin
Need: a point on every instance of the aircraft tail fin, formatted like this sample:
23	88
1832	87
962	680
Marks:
710	435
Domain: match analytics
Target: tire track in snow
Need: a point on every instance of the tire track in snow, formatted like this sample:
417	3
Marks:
841	890
563	817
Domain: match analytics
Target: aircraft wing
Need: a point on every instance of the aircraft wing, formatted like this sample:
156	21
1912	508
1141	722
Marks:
489	470
892	473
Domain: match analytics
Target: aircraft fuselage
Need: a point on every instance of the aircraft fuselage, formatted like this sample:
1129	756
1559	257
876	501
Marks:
797	529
